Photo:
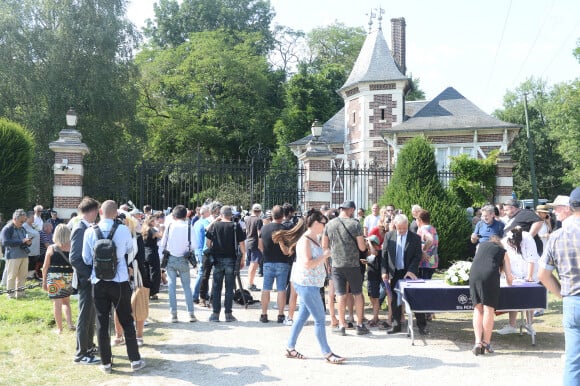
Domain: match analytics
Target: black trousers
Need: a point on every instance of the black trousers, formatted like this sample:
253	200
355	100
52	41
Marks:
397	310
207	268
86	320
153	264
109	294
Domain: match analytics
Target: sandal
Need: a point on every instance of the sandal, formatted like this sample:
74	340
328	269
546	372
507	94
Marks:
334	359
373	323
477	349
294	354
486	347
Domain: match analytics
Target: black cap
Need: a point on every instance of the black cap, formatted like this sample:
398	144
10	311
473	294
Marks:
348	205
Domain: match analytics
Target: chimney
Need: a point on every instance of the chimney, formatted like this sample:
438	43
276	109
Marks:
398	43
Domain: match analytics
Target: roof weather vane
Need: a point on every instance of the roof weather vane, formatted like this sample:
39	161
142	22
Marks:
373	15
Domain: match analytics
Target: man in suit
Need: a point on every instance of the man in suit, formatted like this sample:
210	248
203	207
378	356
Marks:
401	257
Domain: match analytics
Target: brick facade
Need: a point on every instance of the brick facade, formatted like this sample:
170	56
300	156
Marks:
68	179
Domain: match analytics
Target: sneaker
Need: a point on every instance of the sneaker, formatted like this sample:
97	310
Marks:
214	317
384	325
264	318
350	325
88	360
94	350
174	319
339	331
254	288
508	330
140	342
288	322
192	318
538	313
107	369
137	365
281	318
362	330
231	318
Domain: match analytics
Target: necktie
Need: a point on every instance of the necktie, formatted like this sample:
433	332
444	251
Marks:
400	261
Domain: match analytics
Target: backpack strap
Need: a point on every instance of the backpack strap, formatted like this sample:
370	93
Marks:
99	233
113	229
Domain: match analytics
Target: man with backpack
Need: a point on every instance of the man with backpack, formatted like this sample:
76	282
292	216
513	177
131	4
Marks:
105	246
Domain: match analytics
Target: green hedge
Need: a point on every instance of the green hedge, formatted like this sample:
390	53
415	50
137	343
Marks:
16	157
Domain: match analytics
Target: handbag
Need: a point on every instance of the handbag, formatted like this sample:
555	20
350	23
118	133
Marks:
362	255
189	255
140	295
165	252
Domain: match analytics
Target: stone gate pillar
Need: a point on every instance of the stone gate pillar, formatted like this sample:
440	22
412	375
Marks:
504	180
69	151
316	162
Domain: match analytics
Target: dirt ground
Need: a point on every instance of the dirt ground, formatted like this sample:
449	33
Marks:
248	352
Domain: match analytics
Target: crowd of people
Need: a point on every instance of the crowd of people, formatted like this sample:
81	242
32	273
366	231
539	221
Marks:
321	257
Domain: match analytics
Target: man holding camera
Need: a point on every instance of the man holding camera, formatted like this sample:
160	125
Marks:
176	246
225	238
16	243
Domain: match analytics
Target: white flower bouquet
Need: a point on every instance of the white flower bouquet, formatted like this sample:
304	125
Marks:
458	273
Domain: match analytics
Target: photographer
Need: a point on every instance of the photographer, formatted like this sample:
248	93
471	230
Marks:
16	244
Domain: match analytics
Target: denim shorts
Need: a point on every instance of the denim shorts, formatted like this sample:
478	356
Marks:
279	271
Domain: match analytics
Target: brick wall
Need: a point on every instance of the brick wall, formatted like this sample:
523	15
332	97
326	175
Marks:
503	190
383	86
67	202
317	186
490	137
504	171
398	42
68	180
355	116
318	165
73	158
315	205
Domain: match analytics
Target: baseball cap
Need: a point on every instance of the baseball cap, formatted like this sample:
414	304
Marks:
348	205
575	197
374	239
256	208
511	202
560	201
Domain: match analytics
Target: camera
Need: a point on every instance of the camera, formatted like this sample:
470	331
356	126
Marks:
25	248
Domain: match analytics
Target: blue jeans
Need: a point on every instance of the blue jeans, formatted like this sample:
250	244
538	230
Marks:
571	322
197	284
278	271
223	269
179	265
310	304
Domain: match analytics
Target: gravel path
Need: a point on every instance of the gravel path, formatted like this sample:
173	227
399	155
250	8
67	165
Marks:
249	352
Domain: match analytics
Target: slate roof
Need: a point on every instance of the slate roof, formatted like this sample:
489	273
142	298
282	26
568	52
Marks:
448	111
374	63
412	107
332	131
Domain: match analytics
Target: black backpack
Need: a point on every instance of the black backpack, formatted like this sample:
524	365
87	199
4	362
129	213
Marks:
105	254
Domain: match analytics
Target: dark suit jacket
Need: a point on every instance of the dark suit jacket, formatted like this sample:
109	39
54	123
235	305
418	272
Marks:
411	253
82	270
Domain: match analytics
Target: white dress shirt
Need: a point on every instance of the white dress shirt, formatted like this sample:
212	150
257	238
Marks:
175	238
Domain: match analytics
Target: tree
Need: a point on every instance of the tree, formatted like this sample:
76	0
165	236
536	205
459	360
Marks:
176	20
15	166
473	179
57	54
564	119
415	93
415	181
213	92
549	163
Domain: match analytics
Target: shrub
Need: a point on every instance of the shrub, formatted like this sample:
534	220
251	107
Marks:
16	158
415	181
473	179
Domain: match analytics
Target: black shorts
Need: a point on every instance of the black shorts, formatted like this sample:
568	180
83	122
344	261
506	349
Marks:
354	277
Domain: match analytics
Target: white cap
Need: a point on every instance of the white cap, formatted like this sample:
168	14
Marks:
256	208
560	201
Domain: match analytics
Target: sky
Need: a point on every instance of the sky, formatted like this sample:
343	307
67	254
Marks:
481	48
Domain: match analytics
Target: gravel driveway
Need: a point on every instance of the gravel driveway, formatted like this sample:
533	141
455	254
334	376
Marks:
249	352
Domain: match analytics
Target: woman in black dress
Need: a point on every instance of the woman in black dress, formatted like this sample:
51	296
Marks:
484	276
152	262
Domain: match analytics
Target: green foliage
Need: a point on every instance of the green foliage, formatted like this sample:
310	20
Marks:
211	92
474	179
550	164
15	166
415	94
57	54
176	20
415	181
232	193
564	120
335	44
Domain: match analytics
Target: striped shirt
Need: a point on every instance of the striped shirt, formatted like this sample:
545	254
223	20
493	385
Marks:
563	253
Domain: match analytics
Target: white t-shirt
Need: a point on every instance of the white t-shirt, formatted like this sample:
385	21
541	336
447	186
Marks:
371	221
519	262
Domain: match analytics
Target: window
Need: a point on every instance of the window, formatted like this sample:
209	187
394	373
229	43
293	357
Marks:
444	153
354	117
382	114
